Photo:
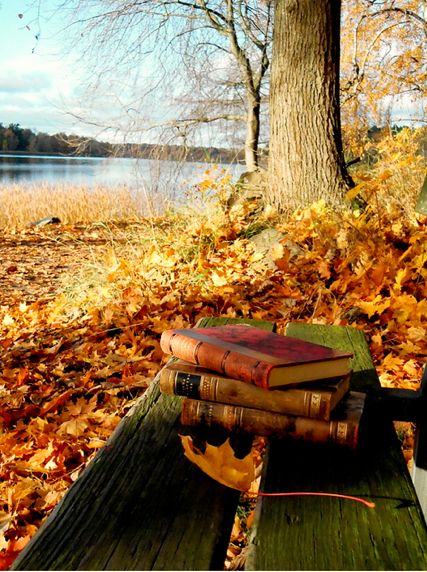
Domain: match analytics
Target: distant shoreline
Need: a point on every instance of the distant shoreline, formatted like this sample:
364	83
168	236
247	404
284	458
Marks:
146	156
24	153
16	140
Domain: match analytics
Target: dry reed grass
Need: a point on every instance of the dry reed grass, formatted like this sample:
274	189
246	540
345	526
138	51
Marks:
22	204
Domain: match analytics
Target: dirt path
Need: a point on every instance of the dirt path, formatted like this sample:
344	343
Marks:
33	261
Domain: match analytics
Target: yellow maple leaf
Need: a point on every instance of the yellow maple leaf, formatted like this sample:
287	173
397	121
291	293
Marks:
404	307
96	443
411	368
40	456
221	464
74	427
422	310
412	348
377	306
23	488
416	334
218	280
8	320
402	276
277	251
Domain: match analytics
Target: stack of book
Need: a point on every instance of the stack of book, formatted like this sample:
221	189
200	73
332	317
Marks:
243	378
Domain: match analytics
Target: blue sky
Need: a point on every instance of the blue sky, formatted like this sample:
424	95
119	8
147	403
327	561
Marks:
39	84
36	82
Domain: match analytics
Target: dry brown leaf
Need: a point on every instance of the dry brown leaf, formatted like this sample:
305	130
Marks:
75	427
221	464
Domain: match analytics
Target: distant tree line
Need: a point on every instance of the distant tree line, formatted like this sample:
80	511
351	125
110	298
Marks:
15	139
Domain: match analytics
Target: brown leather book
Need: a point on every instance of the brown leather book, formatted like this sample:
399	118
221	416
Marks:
316	400
254	355
343	427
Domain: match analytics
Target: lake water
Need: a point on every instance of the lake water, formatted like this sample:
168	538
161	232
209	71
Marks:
146	174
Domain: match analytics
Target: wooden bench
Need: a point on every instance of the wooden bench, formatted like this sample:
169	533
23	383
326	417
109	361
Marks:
141	505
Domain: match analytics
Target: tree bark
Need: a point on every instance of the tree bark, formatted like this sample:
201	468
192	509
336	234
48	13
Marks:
252	134
306	155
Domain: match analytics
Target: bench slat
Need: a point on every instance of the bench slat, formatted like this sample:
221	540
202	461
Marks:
419	467
322	533
135	503
140	504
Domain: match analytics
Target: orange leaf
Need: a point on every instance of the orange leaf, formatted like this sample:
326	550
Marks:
22	376
221	464
57	401
6	560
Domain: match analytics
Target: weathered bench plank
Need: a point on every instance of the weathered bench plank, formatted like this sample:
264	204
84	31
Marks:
322	533
140	505
419	467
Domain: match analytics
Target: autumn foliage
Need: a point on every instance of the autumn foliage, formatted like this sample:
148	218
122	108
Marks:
74	360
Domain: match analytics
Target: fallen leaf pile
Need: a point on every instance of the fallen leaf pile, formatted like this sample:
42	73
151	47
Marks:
82	311
33	259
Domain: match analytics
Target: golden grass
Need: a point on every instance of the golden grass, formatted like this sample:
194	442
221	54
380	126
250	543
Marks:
392	185
22	204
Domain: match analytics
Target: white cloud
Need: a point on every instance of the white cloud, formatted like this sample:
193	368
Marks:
28	82
33	92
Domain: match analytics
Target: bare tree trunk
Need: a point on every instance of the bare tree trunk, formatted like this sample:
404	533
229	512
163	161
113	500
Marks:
252	134
306	157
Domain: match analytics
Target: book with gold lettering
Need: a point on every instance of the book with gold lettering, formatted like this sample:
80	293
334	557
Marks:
342	428
315	400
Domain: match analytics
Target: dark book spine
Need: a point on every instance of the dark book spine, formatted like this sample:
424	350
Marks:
268	424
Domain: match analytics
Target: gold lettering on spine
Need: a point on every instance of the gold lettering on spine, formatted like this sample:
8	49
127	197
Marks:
208	388
205	388
316	400
231	416
209	414
240	416
342	432
186	384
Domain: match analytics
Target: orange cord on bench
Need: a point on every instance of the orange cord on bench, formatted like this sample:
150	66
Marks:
369	504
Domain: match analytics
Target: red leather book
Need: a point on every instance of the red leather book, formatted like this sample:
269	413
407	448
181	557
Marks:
254	355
